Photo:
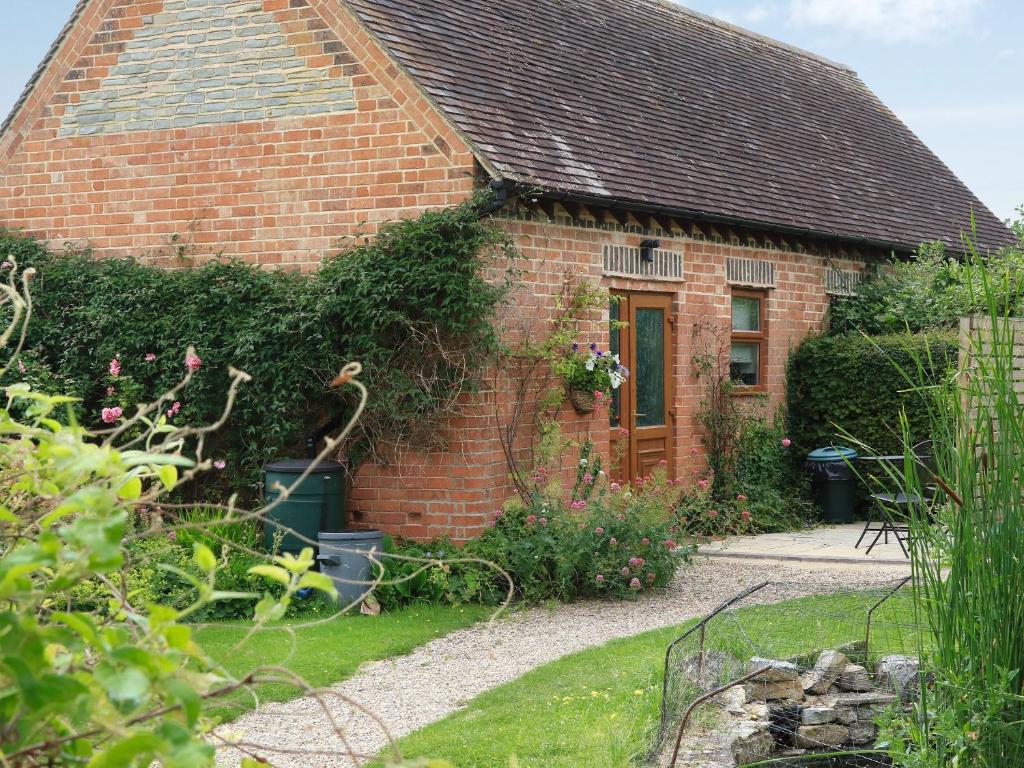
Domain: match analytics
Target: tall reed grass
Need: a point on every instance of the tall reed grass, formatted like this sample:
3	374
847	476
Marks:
967	552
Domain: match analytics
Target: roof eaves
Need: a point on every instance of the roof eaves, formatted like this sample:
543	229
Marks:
38	73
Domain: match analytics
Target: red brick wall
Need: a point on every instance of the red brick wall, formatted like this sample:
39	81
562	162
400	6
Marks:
77	165
280	177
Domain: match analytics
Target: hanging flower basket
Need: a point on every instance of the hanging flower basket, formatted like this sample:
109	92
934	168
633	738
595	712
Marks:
582	400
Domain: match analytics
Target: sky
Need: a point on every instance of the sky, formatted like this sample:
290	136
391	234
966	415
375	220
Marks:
950	69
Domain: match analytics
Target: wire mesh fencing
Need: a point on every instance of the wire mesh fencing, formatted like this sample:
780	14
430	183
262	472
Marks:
771	679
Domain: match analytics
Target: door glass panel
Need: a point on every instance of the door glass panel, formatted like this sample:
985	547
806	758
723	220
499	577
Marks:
746	314
744	362
650	367
615	335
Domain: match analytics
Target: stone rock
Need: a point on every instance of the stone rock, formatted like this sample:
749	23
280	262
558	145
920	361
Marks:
861	699
751	743
733	699
846	715
814	736
862	732
855	678
778	672
756	711
823	674
899	675
817	715
790	690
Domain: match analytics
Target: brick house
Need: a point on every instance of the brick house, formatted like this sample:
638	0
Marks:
701	171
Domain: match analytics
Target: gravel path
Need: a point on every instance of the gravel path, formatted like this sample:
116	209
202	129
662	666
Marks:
436	679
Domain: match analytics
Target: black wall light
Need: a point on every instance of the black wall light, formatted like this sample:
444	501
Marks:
647	250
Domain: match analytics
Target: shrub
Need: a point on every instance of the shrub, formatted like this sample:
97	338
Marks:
615	542
931	292
852	384
414	306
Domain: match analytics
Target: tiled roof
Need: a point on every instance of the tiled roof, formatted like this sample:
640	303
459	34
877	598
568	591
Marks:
644	102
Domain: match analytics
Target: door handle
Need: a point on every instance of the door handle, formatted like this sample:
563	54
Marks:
639	414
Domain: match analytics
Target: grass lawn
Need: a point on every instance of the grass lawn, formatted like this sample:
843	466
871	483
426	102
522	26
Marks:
599	708
326	653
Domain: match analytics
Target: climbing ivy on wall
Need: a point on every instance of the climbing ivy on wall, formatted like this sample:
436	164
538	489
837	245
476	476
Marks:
415	305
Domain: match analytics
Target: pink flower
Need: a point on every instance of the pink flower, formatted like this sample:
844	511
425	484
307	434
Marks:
599	531
694	451
193	362
111	391
650	577
613	541
645	541
786	442
541	470
713	513
220	464
531	519
635	583
110	415
7	265
741	497
703	484
543	521
150	357
578	505
745	514
21	365
599	578
115	367
598	394
615	487
663	463
173	410
588	478
669	544
624	571
623	432
172	536
498	514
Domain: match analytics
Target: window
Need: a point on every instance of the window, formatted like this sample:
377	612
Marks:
749	334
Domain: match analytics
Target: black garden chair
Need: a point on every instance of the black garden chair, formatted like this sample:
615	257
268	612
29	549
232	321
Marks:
891	503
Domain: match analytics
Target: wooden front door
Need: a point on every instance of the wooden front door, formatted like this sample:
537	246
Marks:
641	413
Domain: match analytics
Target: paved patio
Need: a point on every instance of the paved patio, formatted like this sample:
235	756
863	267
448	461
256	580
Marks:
825	544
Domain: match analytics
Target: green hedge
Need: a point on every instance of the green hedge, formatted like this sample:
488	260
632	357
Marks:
854	383
415	305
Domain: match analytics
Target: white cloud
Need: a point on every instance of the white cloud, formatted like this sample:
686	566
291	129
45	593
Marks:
889	20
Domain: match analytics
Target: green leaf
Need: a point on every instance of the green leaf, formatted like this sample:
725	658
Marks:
131	489
204	557
128	751
319	582
169	476
272	572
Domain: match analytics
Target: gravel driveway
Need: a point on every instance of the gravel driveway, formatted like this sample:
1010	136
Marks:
436	679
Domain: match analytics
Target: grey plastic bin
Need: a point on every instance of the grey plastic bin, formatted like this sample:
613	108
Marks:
344	557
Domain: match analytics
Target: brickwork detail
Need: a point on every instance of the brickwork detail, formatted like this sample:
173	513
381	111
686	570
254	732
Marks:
207	62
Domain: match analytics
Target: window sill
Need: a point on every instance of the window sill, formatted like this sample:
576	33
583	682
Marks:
745	390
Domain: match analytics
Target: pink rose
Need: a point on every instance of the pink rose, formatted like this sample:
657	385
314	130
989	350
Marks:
741	497
193	362
220	464
745	514
635	583
531	519
703	484
110	415
786	442
115	367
